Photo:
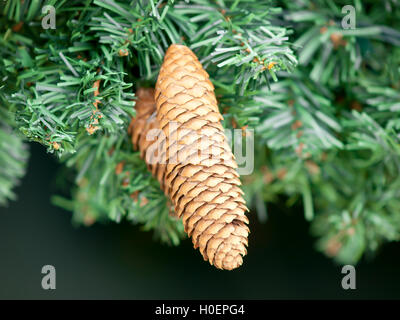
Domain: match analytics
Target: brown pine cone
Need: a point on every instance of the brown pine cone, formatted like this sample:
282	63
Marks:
196	167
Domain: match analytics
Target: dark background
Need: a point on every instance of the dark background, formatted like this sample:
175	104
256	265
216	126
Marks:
119	261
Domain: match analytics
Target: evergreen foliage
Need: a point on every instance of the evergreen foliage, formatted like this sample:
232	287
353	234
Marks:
324	103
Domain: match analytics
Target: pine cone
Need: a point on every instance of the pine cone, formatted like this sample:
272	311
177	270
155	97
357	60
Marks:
195	165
